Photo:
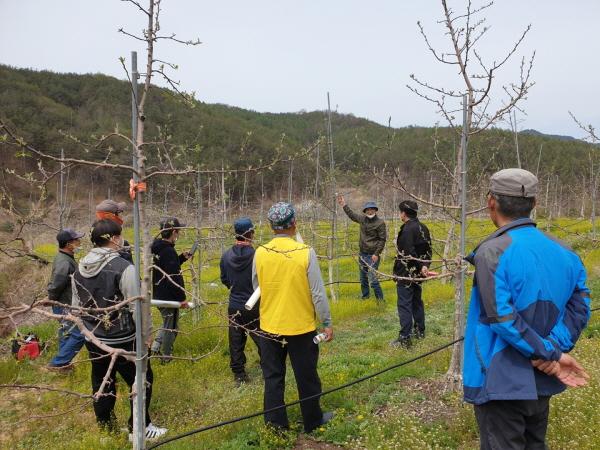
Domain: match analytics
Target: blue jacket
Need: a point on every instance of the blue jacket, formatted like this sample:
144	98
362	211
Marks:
529	301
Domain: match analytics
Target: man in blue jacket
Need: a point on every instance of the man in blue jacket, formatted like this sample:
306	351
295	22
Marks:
236	274
529	304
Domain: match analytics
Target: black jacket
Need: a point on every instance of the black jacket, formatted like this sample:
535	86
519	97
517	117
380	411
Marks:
413	240
166	259
59	287
127	252
236	274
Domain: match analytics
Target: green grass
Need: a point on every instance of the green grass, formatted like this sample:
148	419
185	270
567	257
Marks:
380	413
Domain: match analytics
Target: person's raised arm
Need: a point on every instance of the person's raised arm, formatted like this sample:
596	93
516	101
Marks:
351	214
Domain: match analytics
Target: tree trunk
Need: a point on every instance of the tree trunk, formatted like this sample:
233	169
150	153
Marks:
448	246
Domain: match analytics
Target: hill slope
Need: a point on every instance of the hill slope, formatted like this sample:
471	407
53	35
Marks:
43	106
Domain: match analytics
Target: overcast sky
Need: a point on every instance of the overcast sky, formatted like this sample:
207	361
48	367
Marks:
277	56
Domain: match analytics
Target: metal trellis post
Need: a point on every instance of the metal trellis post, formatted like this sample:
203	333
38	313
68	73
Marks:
139	403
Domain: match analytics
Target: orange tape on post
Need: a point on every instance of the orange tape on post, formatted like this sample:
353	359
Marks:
135	188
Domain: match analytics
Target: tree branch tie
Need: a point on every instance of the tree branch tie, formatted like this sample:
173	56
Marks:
135	188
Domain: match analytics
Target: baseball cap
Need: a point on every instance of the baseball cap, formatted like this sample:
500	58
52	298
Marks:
68	234
514	183
111	206
408	205
242	226
282	216
170	222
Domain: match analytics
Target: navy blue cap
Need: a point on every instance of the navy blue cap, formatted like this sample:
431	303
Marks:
68	234
242	226
370	205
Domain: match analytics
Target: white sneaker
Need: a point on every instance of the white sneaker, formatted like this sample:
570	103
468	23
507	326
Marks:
152	432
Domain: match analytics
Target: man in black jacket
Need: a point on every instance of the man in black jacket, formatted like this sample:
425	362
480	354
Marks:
64	266
104	279
168	284
236	274
412	262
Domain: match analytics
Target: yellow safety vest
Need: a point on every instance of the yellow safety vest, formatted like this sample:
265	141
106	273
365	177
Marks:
286	305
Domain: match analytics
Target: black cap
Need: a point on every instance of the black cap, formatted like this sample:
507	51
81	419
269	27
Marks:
168	223
68	234
408	205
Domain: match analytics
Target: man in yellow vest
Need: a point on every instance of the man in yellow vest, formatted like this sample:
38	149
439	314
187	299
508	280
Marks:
292	295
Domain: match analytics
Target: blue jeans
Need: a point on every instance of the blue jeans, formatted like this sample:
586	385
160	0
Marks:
367	276
165	338
70	340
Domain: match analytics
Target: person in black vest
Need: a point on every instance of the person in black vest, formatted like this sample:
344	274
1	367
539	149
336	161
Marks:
104	279
109	209
236	274
168	284
413	260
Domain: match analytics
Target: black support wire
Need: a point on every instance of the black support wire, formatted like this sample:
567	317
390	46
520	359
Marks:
296	402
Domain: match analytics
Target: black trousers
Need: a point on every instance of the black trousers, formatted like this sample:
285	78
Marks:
513	424
105	405
304	354
241	323
411	310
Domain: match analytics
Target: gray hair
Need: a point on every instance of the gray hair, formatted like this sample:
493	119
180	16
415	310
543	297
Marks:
514	207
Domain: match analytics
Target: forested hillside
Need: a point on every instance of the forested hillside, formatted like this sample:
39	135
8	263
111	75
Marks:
45	107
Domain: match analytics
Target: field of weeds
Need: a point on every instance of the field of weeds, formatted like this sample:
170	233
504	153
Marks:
405	408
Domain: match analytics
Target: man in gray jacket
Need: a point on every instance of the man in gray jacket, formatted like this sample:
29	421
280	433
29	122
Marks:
372	242
70	339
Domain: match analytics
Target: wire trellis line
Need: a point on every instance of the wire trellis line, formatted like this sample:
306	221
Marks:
296	402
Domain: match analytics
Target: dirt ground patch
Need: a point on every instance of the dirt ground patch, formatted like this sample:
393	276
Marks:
15	402
306	443
432	405
21	281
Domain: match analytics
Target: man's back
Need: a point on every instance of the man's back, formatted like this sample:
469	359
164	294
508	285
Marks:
236	274
539	273
167	279
523	282
99	283
286	302
414	241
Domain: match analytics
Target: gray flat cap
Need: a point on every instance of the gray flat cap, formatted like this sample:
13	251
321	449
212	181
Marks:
111	206
514	183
